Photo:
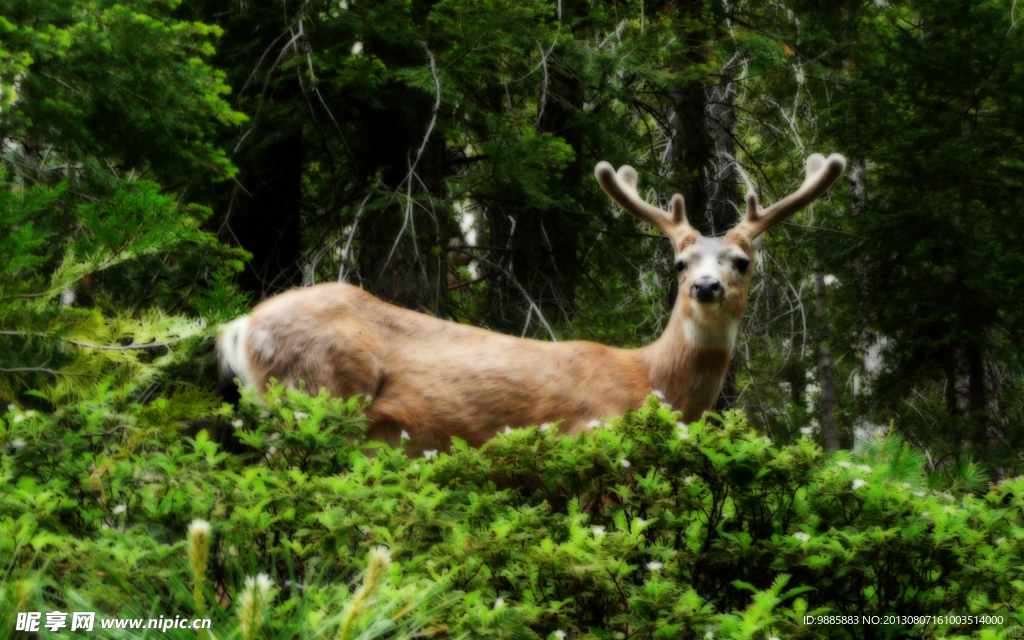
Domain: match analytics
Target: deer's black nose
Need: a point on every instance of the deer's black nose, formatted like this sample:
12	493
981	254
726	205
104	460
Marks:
706	289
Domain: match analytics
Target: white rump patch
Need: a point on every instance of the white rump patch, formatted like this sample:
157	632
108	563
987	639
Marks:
233	352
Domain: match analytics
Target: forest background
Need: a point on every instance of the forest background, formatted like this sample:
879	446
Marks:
166	165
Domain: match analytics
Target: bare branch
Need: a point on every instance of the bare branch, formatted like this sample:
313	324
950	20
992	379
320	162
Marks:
542	102
351	235
419	154
534	308
37	370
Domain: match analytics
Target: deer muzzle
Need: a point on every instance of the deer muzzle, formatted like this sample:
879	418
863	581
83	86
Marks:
707	289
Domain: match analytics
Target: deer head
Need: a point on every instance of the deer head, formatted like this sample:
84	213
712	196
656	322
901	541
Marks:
714	272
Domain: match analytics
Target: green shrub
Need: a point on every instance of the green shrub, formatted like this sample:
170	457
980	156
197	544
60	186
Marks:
641	528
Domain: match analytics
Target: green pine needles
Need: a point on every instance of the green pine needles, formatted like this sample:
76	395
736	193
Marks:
88	289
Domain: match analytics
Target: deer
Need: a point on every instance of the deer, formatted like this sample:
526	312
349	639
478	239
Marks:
430	379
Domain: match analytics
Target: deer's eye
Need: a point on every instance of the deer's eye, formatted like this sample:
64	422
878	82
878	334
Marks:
741	264
680	266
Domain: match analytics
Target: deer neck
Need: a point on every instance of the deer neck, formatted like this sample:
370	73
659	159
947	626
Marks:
689	361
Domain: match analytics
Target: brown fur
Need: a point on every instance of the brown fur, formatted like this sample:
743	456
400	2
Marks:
436	379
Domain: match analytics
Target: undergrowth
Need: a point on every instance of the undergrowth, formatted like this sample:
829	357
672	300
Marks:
641	528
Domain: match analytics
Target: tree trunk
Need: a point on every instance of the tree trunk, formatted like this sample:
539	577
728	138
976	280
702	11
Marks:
542	244
976	395
397	258
703	151
267	224
829	426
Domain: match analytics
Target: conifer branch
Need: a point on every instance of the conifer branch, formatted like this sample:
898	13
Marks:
89	345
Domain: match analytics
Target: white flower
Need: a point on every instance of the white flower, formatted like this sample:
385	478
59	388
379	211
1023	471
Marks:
120	509
261	582
682	431
343	5
1000	540
709	635
920	494
547	426
773	637
198	528
640	523
380	555
654	566
429	453
31	413
250	604
198	537
593	424
237	424
559	634
858	483
10	408
357	48
19	418
404	435
508	429
17	444
598	531
807	431
499	603
844	464
658	394
689	479
625	463
300	415
865	468
906	485
801	536
925	514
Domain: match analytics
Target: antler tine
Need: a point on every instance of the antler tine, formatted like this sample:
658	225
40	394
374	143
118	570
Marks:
621	187
821	174
678	210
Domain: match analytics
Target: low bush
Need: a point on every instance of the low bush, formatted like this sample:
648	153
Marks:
641	528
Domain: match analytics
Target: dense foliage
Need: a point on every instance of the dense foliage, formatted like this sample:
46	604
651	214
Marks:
643	527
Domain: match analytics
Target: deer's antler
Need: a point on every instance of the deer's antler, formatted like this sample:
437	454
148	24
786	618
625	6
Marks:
821	174
621	187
